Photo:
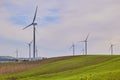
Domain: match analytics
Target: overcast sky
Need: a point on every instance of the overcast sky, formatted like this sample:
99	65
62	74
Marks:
60	23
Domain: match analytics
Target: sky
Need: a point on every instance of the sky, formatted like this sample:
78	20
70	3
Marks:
60	23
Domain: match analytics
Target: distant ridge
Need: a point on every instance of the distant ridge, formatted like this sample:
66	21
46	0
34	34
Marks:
7	59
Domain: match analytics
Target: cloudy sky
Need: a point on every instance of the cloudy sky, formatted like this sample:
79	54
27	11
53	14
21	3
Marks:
60	23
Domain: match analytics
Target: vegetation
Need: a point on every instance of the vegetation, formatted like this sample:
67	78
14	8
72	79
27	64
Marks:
91	67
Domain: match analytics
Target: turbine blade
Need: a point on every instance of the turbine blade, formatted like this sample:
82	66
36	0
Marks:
27	26
87	37
35	14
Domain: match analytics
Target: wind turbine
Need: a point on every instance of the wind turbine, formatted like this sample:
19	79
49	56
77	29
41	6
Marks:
85	41
29	45
82	51
111	49
73	47
16	53
34	29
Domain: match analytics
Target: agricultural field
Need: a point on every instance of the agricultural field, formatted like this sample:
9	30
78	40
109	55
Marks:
90	67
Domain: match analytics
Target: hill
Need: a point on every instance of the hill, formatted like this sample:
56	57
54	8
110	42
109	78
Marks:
91	67
7	59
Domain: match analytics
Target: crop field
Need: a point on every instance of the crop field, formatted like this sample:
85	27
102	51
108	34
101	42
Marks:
90	67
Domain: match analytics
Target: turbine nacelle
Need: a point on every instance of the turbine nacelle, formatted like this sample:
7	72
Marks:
34	24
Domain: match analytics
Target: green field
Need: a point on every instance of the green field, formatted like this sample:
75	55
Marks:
91	67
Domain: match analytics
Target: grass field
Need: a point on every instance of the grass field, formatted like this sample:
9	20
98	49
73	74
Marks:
91	67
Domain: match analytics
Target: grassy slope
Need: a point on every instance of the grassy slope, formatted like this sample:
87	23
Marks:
102	67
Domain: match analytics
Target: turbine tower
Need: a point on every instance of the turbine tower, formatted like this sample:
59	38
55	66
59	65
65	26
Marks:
111	49
36	52
34	37
82	51
16	53
73	47
29	45
86	45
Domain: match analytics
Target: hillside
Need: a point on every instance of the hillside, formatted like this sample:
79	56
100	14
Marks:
7	59
97	67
